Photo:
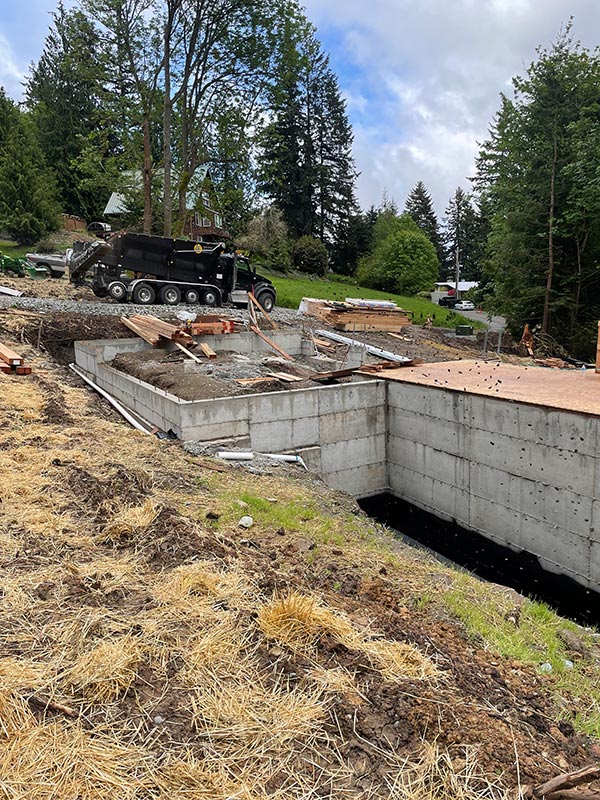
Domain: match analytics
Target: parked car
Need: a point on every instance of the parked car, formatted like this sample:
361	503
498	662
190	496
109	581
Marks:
448	301
53	262
464	305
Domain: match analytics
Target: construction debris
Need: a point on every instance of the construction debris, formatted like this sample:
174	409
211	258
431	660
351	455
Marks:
357	315
272	344
374	351
254	301
10	361
152	330
10	292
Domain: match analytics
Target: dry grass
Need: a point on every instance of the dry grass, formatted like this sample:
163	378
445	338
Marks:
436	774
299	621
106	671
131	521
245	718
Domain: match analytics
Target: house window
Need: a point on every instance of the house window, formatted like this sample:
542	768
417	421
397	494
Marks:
206	198
206	223
218	221
197	219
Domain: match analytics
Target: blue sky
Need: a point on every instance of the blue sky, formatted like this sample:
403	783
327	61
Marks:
421	77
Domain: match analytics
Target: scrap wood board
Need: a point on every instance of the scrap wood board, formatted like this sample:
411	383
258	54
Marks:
152	330
272	344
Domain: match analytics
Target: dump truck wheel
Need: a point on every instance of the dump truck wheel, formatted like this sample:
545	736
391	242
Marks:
267	301
210	298
170	295
144	295
192	296
118	291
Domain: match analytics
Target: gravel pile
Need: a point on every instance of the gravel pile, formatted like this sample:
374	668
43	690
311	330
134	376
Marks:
49	305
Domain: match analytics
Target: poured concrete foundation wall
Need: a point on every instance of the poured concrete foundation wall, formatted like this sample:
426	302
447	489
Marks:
521	475
525	476
339	430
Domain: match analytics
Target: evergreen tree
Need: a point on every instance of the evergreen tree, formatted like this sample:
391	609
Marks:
538	176
28	208
463	234
306	162
63	93
420	208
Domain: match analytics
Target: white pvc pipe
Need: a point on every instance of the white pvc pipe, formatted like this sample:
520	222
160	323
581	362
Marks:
232	456
374	351
114	403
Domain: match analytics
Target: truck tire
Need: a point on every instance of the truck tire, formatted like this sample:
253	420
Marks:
143	294
267	301
118	291
210	298
170	295
192	296
100	292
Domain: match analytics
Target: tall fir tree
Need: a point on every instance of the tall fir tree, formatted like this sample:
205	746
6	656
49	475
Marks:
463	236
306	159
63	93
420	208
28	206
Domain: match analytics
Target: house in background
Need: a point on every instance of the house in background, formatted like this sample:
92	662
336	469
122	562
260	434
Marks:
448	289
204	213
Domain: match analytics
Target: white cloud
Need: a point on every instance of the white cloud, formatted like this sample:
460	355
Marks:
11	76
428	75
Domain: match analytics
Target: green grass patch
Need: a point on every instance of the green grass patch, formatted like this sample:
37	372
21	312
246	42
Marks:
530	636
291	290
290	515
13	249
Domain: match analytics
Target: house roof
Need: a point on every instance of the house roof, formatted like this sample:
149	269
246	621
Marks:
463	286
117	203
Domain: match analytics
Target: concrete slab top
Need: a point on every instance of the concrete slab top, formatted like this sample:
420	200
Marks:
566	390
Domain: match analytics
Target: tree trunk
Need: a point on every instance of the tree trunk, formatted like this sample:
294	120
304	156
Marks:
546	318
147	176
167	155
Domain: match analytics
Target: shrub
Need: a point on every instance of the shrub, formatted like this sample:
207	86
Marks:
310	255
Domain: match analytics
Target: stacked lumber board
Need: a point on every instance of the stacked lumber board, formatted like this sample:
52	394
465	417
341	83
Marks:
12	362
352	316
152	330
211	324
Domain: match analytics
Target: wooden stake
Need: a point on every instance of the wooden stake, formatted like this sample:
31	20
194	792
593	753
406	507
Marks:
263	312
188	353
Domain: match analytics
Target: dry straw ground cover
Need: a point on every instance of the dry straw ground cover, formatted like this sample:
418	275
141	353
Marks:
149	651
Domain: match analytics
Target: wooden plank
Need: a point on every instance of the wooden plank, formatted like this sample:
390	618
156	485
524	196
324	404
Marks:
207	350
8	355
23	370
193	356
215	328
262	311
266	339
323	343
6	369
252	381
144	334
284	376
323	377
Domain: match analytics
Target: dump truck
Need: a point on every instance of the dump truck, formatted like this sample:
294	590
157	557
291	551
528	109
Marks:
143	269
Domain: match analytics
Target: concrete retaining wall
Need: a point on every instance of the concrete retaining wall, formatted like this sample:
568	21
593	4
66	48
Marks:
524	476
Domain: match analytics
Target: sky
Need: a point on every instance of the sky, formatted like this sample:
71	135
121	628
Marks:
421	78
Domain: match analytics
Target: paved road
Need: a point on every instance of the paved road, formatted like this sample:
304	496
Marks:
496	324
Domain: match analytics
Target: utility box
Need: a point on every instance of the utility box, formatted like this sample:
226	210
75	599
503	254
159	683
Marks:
464	330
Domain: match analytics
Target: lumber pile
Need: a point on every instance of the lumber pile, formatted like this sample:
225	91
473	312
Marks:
357	315
153	330
207	324
12	362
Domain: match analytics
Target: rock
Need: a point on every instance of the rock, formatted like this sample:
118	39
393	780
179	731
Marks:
246	522
567	664
546	667
572	641
158	720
